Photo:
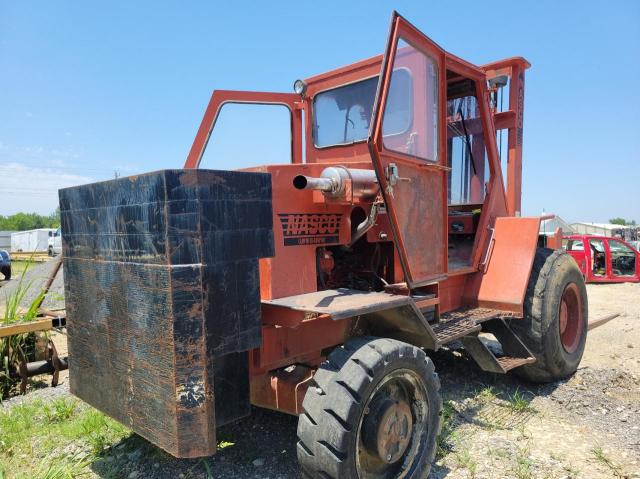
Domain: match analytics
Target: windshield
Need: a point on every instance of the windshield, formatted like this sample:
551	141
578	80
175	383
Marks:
342	115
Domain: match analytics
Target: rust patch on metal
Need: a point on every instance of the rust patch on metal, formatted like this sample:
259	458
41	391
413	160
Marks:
192	394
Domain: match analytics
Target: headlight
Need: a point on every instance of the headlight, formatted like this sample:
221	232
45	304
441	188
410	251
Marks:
300	87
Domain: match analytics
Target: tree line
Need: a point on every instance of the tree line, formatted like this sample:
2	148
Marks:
622	222
29	221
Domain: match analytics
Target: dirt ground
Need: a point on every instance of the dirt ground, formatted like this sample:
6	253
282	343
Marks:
587	426
494	426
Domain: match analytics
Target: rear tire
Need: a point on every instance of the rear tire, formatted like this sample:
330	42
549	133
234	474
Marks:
7	273
554	327
372	412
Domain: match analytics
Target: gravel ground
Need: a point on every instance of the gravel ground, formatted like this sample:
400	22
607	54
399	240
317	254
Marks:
37	275
38	390
587	426
605	400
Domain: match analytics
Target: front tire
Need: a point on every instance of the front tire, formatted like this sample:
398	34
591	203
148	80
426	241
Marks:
554	327
372	413
7	273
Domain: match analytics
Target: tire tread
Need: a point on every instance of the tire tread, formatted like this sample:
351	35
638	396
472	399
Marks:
326	429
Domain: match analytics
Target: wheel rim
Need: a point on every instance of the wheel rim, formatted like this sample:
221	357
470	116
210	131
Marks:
571	323
392	428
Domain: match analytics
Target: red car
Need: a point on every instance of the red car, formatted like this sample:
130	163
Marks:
604	260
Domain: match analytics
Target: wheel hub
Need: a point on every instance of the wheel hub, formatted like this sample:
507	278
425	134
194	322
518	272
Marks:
570	318
388	429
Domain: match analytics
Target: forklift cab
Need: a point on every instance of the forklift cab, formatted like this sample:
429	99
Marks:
427	122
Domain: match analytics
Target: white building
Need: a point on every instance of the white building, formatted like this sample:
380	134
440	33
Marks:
548	227
601	229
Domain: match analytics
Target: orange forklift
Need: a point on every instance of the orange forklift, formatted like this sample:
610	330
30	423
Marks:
318	288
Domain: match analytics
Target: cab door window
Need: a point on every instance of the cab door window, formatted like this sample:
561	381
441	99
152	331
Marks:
623	259
412	131
598	257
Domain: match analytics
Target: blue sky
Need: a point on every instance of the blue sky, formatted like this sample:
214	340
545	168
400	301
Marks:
87	88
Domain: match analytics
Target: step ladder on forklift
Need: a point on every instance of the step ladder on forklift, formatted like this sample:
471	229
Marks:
466	325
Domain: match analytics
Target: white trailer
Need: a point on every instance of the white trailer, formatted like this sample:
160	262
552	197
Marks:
5	240
31	241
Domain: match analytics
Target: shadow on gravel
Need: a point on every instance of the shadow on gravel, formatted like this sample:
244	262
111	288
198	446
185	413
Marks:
262	445
488	400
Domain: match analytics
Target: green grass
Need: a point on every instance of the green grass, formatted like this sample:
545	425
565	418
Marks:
207	468
519	403
59	410
523	464
486	394
465	461
447	436
572	472
603	459
36	433
68	468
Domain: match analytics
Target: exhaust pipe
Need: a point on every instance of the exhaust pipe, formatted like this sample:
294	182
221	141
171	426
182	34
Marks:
333	182
302	182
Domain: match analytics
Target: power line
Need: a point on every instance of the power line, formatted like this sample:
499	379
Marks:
50	167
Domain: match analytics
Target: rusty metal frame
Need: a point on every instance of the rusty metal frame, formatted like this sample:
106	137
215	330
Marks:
513	121
495	201
282	390
219	98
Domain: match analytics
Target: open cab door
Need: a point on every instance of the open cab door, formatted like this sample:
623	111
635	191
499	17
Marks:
407	146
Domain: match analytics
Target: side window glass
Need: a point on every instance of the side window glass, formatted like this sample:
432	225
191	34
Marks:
246	135
623	259
466	152
576	245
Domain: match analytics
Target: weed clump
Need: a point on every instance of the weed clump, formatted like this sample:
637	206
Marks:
17	348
